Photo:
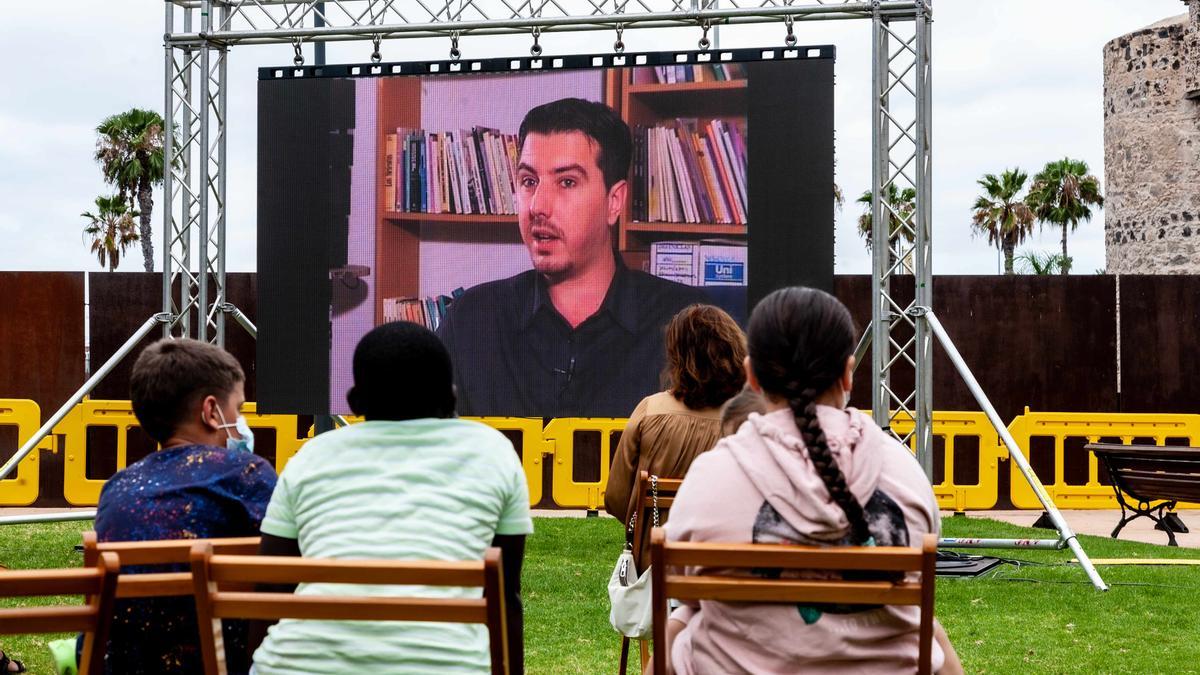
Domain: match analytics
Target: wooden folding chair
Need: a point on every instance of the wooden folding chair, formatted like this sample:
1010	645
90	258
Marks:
667	488
212	604
98	583
666	559
160	552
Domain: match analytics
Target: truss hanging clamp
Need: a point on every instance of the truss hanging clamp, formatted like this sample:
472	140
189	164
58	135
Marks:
536	49
298	59
917	311
790	39
455	54
376	57
704	43
619	45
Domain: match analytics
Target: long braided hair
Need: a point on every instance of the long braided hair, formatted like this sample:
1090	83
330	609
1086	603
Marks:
799	340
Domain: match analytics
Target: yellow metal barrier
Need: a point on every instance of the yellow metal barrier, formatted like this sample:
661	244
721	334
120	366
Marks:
1069	432
77	487
565	490
80	490
1061	434
533	446
286	428
21	489
954	428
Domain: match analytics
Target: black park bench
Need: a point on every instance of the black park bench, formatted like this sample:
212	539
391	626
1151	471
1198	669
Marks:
1142	474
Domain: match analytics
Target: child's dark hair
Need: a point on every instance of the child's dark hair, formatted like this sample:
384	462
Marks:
172	375
737	409
799	340
595	120
401	372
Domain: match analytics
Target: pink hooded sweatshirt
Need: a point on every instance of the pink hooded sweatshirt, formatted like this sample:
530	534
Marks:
759	485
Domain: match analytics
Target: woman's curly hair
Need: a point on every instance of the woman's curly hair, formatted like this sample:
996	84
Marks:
705	354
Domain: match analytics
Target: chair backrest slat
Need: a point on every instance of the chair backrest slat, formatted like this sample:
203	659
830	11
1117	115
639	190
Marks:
213	604
667	487
882	558
713	582
159	552
52	619
98	582
80	581
773	591
165	551
265	569
271	606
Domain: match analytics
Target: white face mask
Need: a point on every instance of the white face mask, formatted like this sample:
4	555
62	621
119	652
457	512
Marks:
245	440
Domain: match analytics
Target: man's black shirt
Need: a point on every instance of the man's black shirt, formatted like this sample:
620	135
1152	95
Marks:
514	355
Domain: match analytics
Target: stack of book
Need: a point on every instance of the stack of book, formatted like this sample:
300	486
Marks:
716	72
450	172
687	173
428	312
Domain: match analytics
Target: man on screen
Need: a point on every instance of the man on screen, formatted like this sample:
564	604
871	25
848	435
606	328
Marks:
579	335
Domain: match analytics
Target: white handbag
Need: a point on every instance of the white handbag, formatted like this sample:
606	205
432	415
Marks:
631	613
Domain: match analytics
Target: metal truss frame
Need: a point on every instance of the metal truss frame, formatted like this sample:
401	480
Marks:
195	190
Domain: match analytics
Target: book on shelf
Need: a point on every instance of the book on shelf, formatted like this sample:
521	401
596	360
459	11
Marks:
685	172
459	172
428	311
679	73
708	262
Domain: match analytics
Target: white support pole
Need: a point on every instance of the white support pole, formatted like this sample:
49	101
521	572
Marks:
968	542
57	517
1064	530
240	316
87	387
864	343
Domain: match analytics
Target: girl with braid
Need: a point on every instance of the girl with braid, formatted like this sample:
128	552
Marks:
807	471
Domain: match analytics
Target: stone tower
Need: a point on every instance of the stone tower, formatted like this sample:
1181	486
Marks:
1152	148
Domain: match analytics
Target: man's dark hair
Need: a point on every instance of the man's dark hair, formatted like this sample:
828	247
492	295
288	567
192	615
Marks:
401	372
172	375
595	120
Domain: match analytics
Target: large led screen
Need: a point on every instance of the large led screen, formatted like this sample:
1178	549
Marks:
545	217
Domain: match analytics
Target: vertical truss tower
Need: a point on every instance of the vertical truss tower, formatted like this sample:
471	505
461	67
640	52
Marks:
200	34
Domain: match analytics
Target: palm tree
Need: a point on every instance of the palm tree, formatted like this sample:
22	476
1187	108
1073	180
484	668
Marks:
1034	262
1001	214
130	153
904	203
1063	194
112	230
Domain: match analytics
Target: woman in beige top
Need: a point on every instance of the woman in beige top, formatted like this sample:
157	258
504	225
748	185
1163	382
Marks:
705	350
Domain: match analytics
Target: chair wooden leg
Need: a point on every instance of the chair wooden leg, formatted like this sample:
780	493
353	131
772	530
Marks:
624	655
645	648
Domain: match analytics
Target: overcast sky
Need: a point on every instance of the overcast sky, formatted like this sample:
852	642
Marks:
1015	82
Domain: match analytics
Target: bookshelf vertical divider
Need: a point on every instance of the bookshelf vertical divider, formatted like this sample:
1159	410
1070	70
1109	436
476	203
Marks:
397	245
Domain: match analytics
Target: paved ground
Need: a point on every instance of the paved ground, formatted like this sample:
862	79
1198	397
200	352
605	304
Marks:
1102	522
1099	523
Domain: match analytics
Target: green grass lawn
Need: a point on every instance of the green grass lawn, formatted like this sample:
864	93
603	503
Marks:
1040	617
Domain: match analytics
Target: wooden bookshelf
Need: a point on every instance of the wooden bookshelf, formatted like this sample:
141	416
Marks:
465	218
644	102
706	229
398	233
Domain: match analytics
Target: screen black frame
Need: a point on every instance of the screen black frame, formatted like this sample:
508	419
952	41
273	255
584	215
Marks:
792	184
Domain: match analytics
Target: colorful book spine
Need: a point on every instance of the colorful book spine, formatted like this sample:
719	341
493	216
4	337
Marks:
389	172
